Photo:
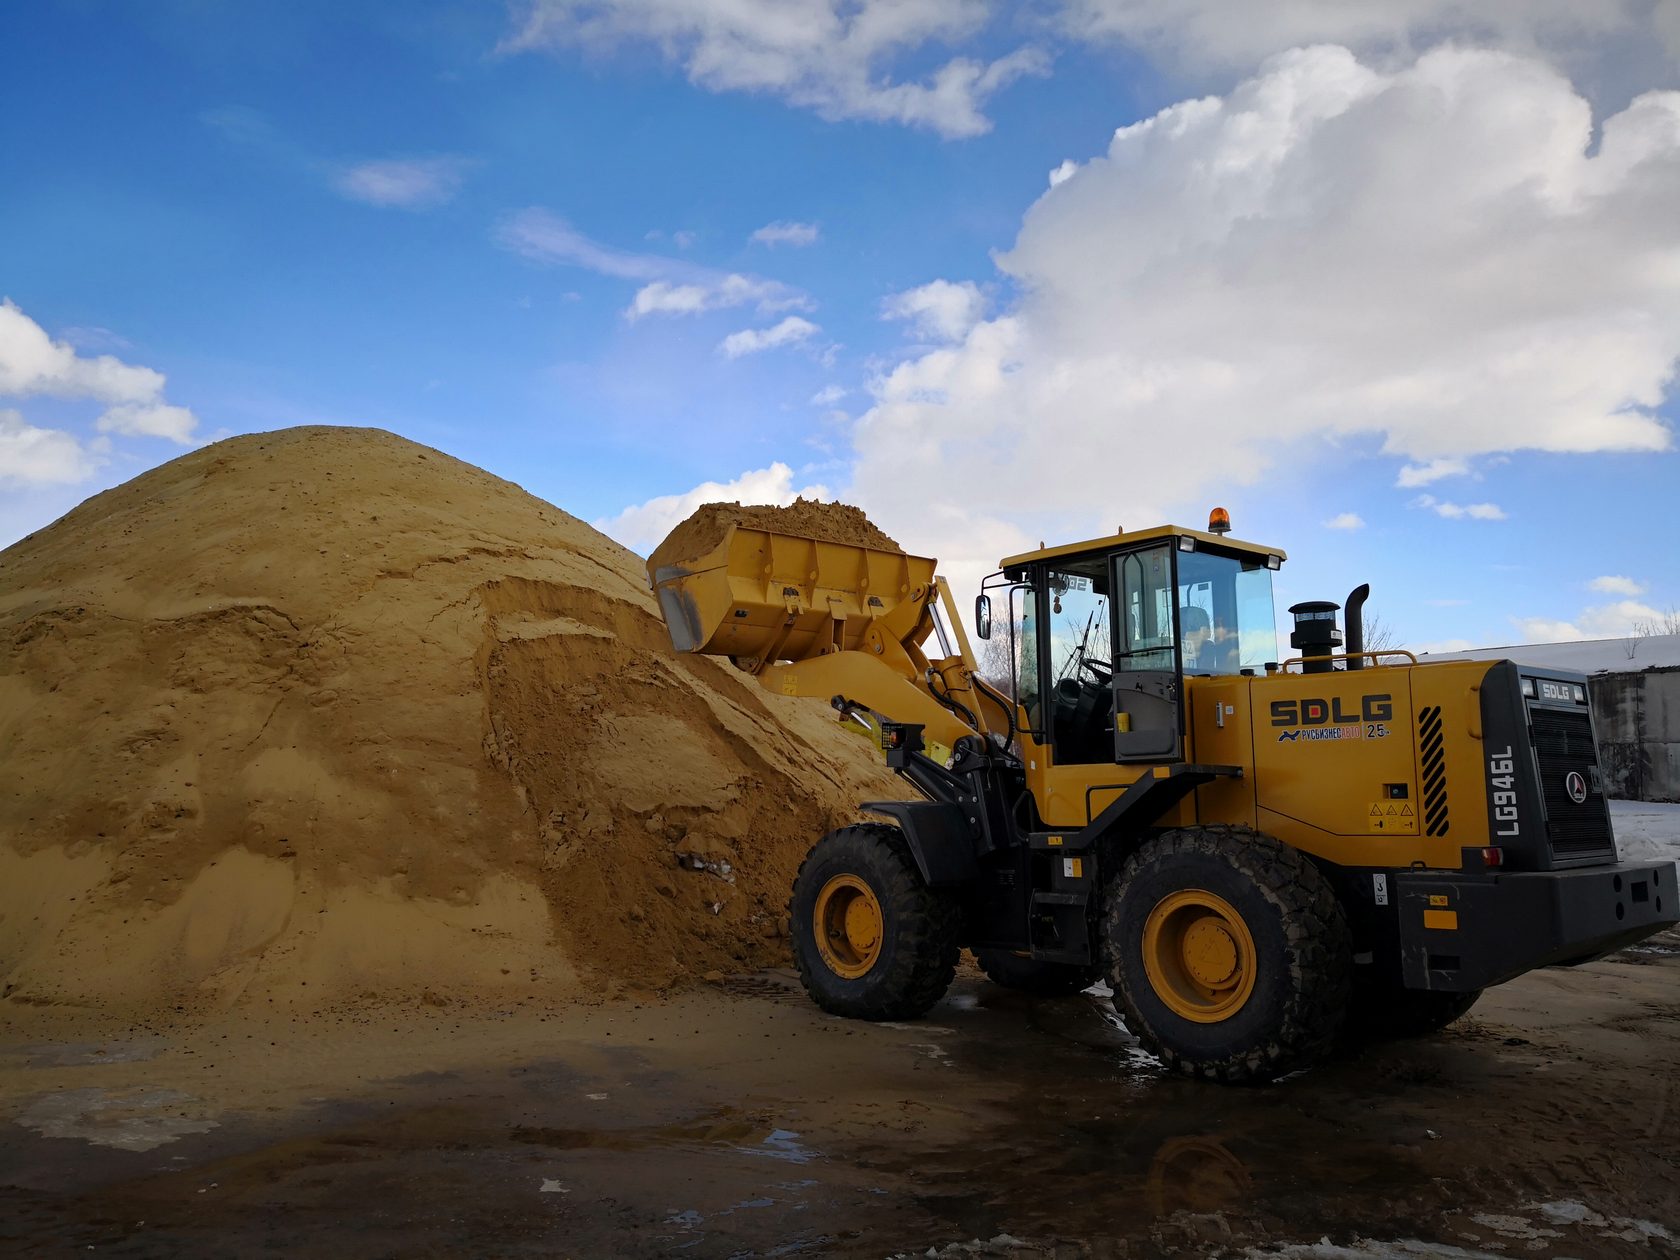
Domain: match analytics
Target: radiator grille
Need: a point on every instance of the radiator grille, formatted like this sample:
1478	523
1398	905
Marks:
1563	742
1432	748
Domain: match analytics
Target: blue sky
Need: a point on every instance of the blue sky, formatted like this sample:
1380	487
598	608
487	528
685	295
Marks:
1419	275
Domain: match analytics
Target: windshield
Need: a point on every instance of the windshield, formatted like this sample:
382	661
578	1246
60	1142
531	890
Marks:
1226	619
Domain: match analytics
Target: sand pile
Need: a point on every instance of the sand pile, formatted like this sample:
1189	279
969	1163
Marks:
325	712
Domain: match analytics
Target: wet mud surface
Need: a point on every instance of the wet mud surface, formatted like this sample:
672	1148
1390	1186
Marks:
741	1121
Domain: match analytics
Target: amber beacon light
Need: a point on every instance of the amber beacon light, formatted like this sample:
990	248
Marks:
1219	521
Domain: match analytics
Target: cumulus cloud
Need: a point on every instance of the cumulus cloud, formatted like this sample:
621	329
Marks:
1345	520
753	340
1215	34
404	183
32	363
828	395
1436	257
1460	511
940	310
1613	585
150	419
831	56
1063	172
31	456
644	526
798	234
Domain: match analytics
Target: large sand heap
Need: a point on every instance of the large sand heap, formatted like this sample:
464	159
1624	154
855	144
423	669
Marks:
324	712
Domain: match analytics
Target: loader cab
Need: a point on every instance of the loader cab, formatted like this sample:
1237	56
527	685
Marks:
1106	631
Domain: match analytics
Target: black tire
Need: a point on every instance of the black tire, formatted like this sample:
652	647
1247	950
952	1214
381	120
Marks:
917	955
1041	979
1383	1011
1302	955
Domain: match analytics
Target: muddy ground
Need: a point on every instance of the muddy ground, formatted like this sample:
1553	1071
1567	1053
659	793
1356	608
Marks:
739	1120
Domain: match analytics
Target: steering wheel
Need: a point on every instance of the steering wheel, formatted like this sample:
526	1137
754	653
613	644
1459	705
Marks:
1100	672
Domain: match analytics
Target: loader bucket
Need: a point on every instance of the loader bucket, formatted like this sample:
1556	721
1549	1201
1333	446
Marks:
762	596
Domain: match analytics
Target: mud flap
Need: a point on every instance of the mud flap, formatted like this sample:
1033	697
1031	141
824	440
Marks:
939	837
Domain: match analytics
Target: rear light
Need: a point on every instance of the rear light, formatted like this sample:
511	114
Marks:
1493	857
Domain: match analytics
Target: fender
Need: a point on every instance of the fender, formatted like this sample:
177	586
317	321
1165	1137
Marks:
939	837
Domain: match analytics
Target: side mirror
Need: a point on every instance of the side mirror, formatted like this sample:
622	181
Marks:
983	616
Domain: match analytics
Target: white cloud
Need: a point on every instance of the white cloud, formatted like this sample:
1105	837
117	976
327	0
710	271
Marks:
798	234
152	419
1065	171
1612	585
1414	475
1602	621
31	456
544	237
712	294
939	310
405	183
752	340
828	395
32	363
1437	257
1460	511
674	286
831	56
644	526
1215	34
1345	520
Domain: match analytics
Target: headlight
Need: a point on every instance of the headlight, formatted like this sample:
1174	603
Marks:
1528	687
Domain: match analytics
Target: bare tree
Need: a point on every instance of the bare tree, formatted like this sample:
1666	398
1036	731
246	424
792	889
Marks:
1379	635
994	656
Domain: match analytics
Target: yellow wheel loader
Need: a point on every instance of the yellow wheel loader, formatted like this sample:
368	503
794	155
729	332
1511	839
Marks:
1260	855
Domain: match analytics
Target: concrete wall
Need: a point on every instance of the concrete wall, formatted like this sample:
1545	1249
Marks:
1637	718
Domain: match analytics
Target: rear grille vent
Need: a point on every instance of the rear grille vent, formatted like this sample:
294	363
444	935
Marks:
1563	743
1432	746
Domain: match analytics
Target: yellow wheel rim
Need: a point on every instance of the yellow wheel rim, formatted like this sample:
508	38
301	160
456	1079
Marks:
848	926
1199	956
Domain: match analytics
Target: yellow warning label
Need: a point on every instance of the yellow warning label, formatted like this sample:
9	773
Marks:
1441	920
790	684
1405	811
1377	810
1054	840
1439	899
1073	868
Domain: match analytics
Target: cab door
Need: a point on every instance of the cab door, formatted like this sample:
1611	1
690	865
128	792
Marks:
1148	679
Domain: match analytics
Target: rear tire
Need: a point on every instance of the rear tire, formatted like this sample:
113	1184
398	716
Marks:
1229	954
870	939
1027	975
1387	1012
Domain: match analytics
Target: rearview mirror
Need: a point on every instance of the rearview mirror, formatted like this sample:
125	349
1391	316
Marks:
983	616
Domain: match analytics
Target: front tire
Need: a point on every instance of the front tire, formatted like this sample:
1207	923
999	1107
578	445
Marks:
870	939
1229	954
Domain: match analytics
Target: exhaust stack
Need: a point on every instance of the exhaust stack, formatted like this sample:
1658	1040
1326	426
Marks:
1354	619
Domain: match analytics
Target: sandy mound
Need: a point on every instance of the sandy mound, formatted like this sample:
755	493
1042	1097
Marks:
325	712
830	522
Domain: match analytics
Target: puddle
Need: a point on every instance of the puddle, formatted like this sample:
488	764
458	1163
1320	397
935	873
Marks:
85	1054
124	1119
